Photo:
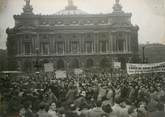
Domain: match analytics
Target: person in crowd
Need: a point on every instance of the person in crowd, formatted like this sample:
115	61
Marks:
97	111
43	111
119	108
22	111
108	111
26	111
50	96
81	99
86	89
159	112
110	95
71	94
52	110
132	111
142	110
84	110
102	92
73	112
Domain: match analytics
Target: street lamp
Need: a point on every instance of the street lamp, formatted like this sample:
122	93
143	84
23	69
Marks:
143	54
37	60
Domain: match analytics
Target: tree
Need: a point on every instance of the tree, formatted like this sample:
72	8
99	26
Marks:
3	60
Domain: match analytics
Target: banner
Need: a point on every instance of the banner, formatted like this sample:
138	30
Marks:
117	65
78	71
145	68
49	67
61	74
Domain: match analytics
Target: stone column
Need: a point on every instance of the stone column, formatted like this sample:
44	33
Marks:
18	47
51	45
33	45
127	38
23	45
98	45
53	41
68	49
129	42
37	44
111	42
115	48
125	43
65	46
55	47
94	42
82	43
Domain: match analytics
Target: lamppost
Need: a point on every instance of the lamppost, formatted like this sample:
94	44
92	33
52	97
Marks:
37	60
143	54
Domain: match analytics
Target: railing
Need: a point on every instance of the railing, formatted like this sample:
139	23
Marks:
74	54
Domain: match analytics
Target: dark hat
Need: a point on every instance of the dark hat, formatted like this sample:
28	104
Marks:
107	108
72	107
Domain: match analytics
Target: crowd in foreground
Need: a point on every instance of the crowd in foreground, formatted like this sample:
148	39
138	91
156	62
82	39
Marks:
87	95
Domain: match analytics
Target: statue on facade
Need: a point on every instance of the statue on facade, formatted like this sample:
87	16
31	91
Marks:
117	7
70	2
27	2
117	1
70	5
27	8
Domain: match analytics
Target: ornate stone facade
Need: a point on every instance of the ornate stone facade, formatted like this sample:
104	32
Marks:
72	38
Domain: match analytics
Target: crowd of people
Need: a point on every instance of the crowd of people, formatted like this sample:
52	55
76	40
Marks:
86	95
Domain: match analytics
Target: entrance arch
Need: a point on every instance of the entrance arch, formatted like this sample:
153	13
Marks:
74	64
60	64
45	61
105	63
89	63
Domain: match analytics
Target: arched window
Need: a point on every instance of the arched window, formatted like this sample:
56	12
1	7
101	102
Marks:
89	63
45	61
105	63
60	64
120	45
74	64
27	66
27	48
102	45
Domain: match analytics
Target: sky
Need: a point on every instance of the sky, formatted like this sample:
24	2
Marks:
149	15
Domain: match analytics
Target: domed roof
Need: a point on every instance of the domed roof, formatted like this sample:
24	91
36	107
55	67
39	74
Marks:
71	9
71	12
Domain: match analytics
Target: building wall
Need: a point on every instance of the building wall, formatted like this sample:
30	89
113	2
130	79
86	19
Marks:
72	40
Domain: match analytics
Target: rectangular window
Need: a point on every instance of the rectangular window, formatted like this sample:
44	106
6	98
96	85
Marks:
120	45
74	47
103	46
88	46
45	48
27	48
60	47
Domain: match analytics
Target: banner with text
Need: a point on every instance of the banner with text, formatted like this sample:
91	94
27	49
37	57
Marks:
78	71
145	68
61	74
117	65
49	67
